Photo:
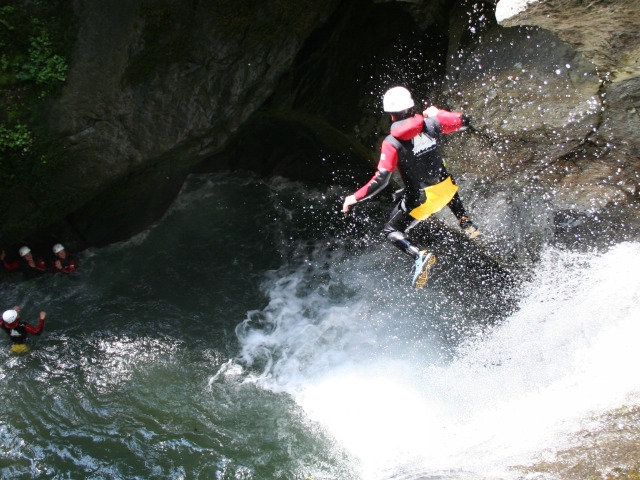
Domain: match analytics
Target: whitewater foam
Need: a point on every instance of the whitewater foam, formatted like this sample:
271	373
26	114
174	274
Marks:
511	393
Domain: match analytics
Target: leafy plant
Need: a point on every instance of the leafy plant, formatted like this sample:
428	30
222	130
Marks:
34	37
18	139
32	68
42	66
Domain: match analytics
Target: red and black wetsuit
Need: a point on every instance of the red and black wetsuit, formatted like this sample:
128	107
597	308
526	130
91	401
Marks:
19	330
28	271
413	147
67	263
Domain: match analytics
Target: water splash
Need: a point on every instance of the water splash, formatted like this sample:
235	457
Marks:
509	395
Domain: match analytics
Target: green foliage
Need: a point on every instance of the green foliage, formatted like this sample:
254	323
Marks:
42	66
18	139
29	58
34	39
32	68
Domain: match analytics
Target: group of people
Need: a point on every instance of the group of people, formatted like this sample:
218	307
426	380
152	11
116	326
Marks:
32	267
412	147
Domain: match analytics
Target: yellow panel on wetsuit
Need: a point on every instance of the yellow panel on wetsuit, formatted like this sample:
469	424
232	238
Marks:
19	348
438	196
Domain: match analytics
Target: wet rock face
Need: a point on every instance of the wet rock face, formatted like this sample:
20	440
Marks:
529	94
152	77
157	87
606	33
553	107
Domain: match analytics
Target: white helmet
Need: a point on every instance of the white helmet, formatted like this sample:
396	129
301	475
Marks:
397	99
57	248
10	316
23	251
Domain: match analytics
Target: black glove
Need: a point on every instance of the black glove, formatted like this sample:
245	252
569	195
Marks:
465	120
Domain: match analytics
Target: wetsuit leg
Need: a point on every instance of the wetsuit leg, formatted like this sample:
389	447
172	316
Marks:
394	230
457	207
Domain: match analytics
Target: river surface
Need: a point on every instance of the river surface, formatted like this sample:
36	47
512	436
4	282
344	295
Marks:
255	333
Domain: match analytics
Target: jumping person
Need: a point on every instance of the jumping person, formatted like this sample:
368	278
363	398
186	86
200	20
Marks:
413	147
18	330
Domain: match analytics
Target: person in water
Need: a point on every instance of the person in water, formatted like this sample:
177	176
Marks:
31	268
413	147
64	262
18	330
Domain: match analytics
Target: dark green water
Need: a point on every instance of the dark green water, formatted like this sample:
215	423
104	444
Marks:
119	384
254	333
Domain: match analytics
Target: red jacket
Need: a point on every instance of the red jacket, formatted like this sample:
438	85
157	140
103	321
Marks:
19	330
402	133
68	264
29	271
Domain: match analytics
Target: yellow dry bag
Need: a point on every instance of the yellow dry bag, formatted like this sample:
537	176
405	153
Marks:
438	196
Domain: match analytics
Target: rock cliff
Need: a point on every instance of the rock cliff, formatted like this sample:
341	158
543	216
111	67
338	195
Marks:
157	89
554	107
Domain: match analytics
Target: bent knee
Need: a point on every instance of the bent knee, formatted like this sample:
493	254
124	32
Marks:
393	235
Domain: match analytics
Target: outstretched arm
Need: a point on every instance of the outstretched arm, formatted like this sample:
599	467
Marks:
348	201
450	121
386	165
37	330
7	265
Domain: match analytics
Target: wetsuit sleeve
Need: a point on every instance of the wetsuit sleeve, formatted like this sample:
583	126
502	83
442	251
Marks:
35	330
451	121
11	266
386	165
69	267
